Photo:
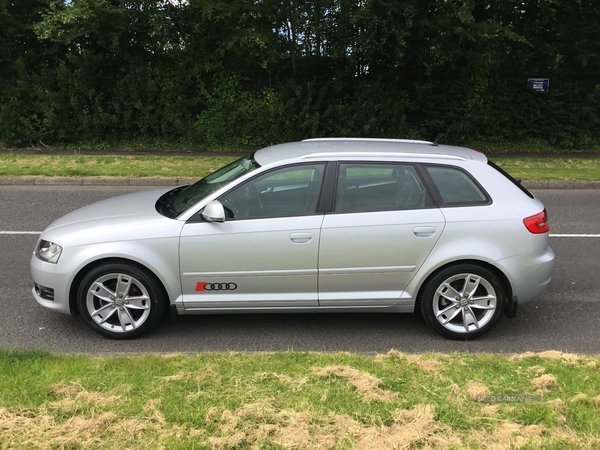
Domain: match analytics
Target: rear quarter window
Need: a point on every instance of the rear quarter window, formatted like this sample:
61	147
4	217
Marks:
456	187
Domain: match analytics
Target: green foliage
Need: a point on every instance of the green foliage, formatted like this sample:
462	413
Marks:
230	108
245	74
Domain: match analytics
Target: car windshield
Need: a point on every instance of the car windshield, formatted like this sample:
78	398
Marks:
209	184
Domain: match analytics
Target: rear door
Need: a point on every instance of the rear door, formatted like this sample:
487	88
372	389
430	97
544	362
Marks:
382	229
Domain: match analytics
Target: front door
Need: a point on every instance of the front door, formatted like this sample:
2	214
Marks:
265	254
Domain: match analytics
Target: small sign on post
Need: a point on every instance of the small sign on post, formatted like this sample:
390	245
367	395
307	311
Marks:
538	84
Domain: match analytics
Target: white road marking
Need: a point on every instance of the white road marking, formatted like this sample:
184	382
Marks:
576	235
20	232
551	235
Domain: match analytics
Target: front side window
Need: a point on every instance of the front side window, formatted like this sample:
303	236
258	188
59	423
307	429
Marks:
209	184
365	187
456	187
283	192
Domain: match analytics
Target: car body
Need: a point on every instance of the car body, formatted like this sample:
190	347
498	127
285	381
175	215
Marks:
322	225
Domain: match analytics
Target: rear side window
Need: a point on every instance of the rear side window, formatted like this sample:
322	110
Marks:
365	187
456	187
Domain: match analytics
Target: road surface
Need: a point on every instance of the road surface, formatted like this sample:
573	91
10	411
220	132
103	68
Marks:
566	317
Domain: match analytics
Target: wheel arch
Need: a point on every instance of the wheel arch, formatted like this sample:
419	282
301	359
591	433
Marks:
109	260
495	270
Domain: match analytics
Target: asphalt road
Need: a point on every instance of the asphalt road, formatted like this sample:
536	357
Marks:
566	317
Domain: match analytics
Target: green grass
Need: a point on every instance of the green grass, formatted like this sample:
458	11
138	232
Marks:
537	146
297	400
13	164
547	168
137	166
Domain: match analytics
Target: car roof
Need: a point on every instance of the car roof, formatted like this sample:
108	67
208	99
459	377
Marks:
359	148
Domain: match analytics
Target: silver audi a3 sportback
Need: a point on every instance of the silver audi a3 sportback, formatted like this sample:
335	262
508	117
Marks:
322	225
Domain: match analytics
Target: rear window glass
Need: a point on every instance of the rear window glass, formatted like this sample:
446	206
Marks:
457	187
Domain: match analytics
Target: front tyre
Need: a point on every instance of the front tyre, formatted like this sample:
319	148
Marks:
121	300
463	301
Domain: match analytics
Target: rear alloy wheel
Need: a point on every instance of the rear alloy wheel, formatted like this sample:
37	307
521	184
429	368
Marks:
121	301
463	301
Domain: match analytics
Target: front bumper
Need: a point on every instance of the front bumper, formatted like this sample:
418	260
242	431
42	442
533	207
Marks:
49	276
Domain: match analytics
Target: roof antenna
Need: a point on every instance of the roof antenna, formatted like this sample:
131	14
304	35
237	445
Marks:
435	143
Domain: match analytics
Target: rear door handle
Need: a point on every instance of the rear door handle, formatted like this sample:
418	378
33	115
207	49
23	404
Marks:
424	231
300	238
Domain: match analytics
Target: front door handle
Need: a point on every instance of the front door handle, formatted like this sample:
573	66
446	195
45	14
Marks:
300	238
424	231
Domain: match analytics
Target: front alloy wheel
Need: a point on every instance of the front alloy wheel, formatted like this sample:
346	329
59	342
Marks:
463	301
121	301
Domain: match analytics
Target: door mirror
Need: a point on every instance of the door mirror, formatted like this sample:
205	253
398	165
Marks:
214	212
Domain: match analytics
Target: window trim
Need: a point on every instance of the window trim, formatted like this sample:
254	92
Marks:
328	188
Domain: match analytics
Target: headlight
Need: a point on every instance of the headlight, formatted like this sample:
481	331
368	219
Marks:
48	251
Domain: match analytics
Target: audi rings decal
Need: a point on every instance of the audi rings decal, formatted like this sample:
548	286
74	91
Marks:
203	286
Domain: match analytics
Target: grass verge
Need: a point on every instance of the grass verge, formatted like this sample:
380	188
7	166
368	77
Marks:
134	166
293	400
543	168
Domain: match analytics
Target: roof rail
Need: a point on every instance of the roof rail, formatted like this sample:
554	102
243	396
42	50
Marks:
384	154
402	141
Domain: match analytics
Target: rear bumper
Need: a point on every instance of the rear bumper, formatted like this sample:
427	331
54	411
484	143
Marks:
530	275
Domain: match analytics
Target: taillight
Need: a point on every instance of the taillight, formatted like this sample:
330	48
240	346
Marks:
537	224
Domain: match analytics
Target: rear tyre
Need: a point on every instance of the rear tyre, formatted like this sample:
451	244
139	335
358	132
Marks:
121	300
463	301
